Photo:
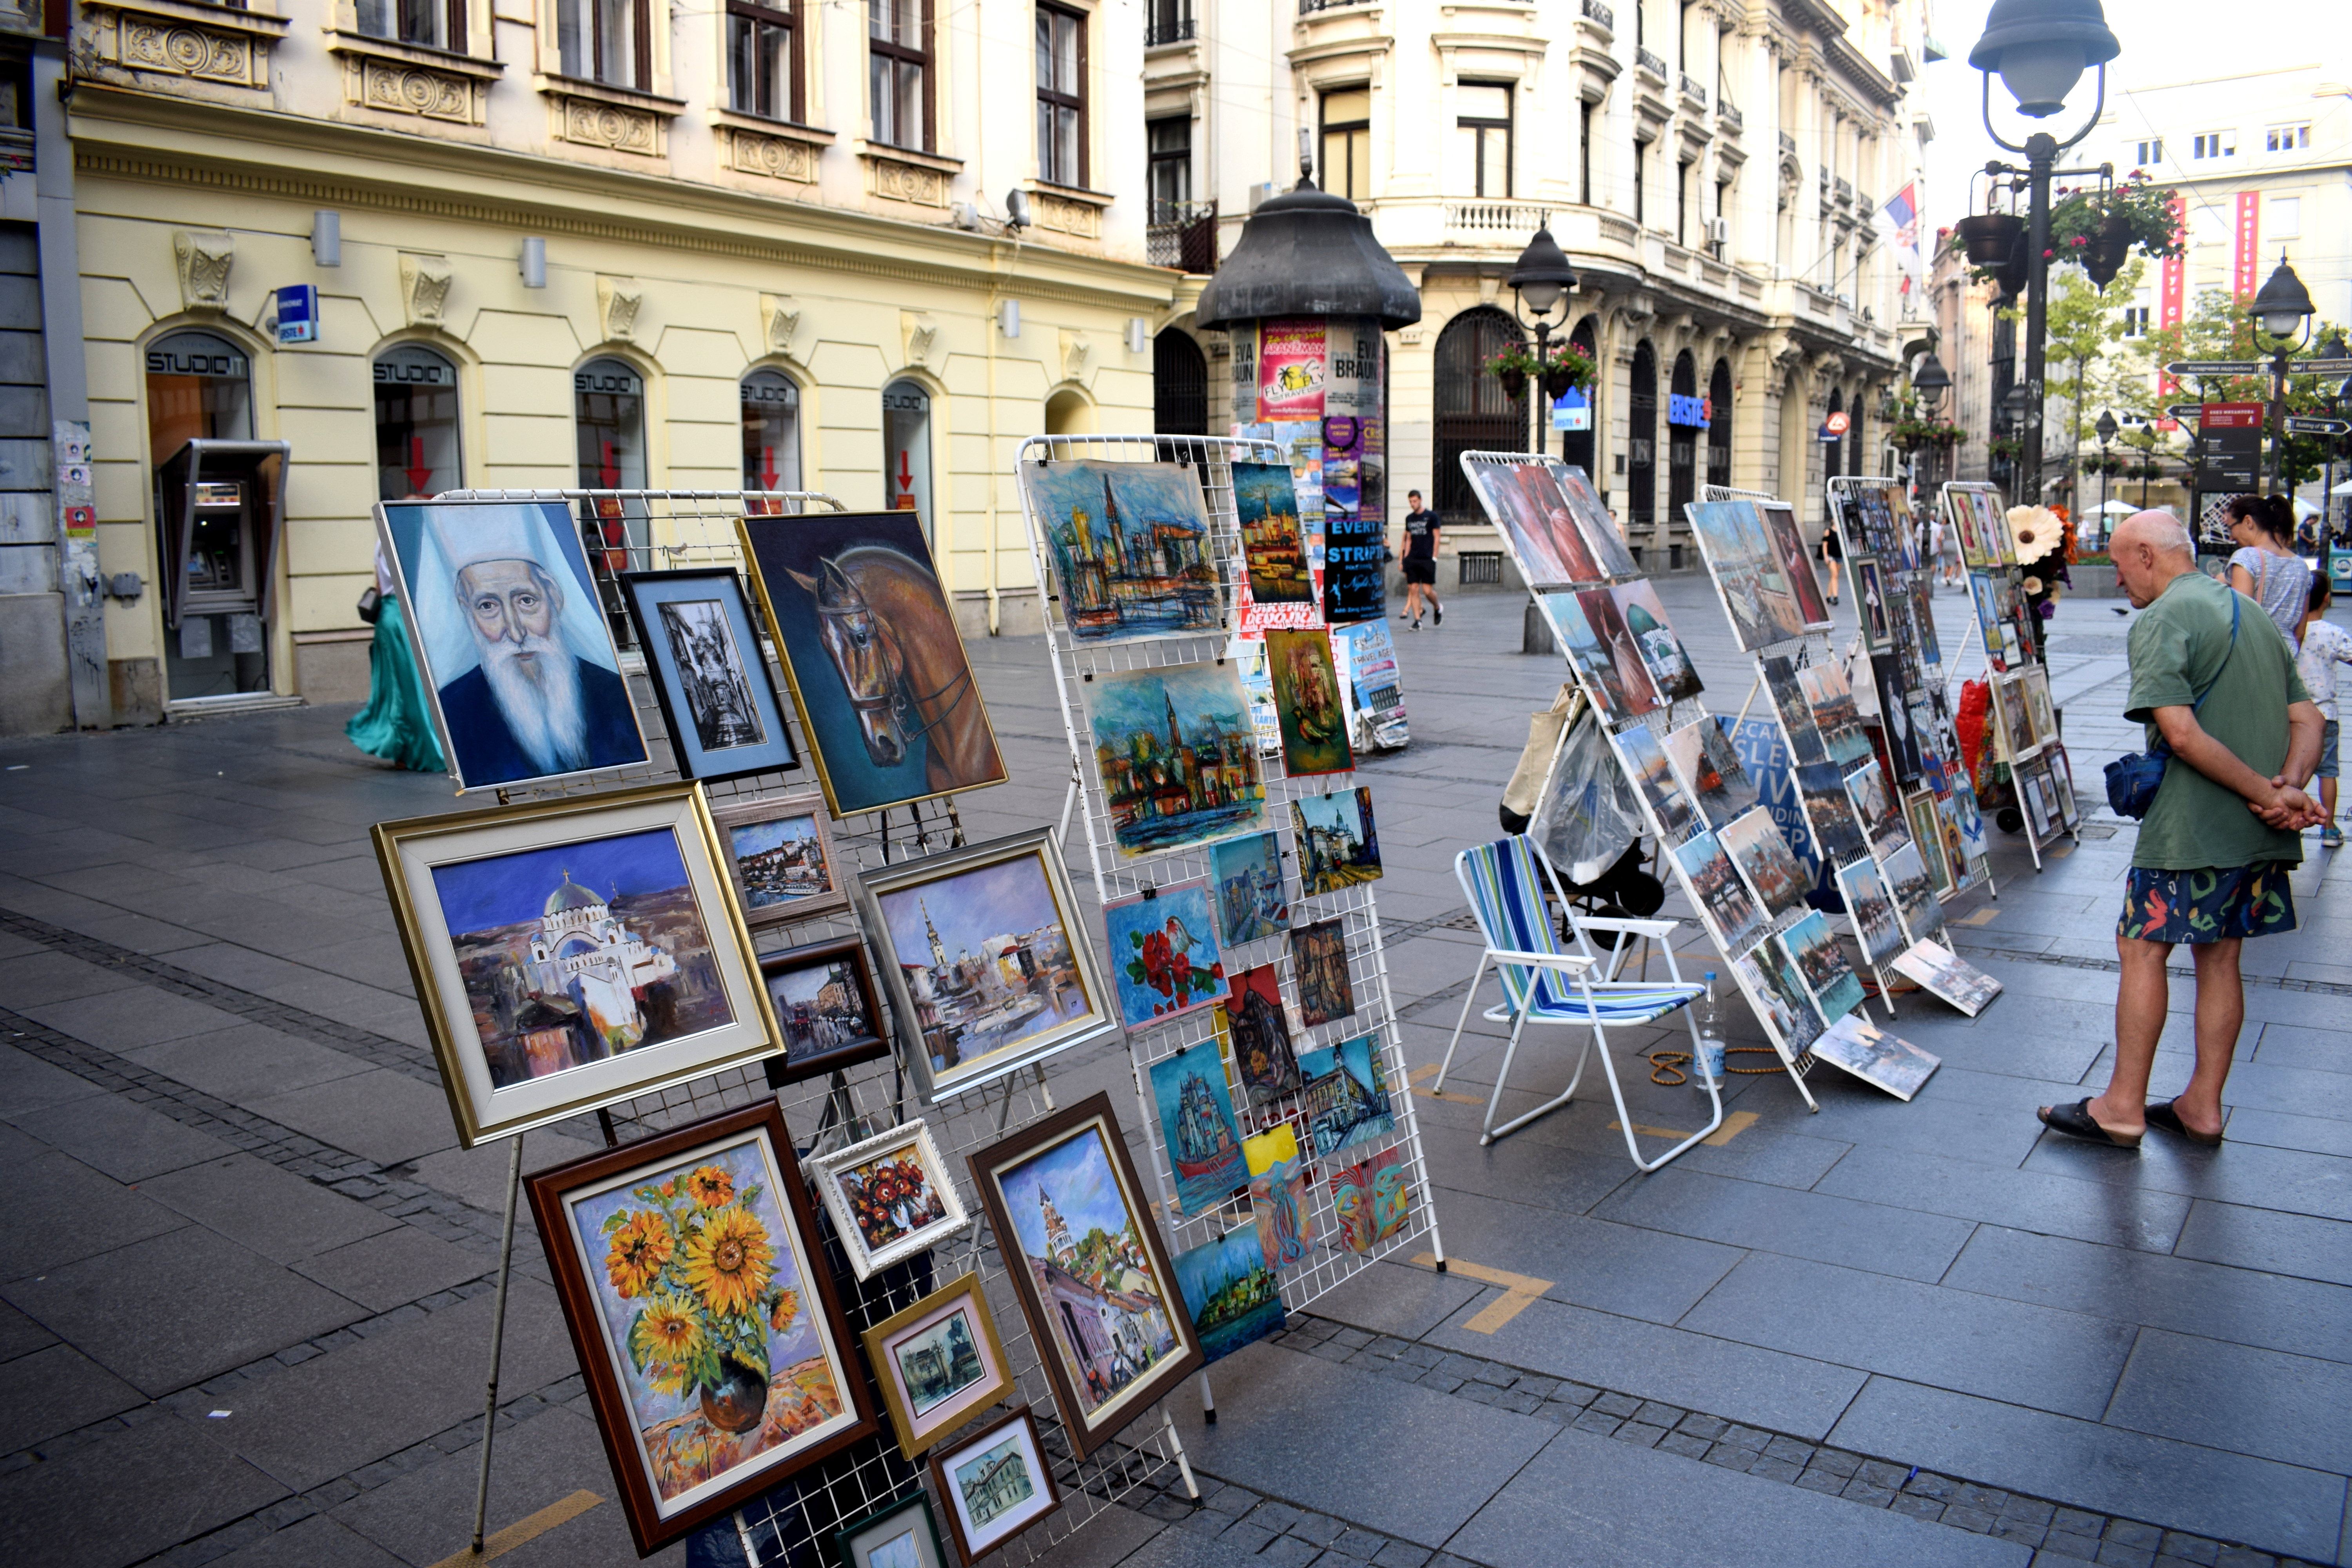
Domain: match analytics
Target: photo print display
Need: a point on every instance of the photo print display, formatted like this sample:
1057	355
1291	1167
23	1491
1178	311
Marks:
1878	1059
1318	960
1251	903
779	852
712	1346
1876	614
1757	847
1872	909
1830	697
1829	812
1791	1021
1740	557
703	658
1373	1199
1796	713
1929	647
511	641
1655	777
1346	1095
1191	1093
885	694
1913	893
995	1485
1263	1058
1230	1294
988	965
1177	755
1306	703
1874	808
1130	548
2000	641
1086	1263
1164	959
573	953
1621	693
903	1535
2039	713
1717	890
1927	829
1275	546
1602	538
889	1196
1339	843
1811	947
1796	564
1708	767
823	997
1949	976
2016	725
1901	730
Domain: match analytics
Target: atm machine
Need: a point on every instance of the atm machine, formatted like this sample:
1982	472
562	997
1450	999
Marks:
216	514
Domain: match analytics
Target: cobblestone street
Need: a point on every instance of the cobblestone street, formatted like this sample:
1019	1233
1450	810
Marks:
247	1285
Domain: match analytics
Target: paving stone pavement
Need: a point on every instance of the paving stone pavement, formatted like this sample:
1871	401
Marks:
1881	1333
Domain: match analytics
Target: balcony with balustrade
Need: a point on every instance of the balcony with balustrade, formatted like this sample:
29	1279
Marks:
1652	64
1182	235
1728	118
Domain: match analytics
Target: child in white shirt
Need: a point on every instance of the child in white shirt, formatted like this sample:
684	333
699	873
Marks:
2325	646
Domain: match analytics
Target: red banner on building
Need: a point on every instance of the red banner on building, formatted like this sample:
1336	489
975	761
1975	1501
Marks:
2242	277
2171	299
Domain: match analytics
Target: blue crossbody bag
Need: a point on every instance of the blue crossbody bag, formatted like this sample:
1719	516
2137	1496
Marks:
2134	778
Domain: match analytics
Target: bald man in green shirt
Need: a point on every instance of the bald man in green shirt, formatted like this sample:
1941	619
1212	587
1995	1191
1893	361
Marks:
2214	851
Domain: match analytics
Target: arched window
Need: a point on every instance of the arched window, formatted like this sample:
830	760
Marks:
1472	412
771	432
1180	385
415	423
907	450
1641	442
608	404
199	387
1581	446
215	556
1067	413
1682	438
1718	424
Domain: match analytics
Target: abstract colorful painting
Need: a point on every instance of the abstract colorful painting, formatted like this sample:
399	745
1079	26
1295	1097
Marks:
1129	547
1339	843
1373	1200
1230	1292
1177	755
1263	1057
1306	703
1252	901
1282	1216
1319	958
1191	1093
1164	958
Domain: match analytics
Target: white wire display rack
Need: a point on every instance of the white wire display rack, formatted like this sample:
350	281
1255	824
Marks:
795	1521
1329	1262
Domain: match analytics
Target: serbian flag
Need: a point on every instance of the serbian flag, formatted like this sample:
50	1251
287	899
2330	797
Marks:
1902	213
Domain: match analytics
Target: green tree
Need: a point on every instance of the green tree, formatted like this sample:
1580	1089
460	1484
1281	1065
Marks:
2085	325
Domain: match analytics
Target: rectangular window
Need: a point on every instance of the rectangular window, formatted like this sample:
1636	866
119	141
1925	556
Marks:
1061	96
898	72
1347	142
2214	145
2135	321
1171	144
1584	152
1641	163
610	41
1682	172
2150	153
429	24
2286	138
1482	131
763	74
2285	219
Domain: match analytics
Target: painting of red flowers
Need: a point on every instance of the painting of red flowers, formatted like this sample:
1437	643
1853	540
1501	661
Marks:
1164	953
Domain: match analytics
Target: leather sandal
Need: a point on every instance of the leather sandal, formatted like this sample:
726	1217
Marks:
2076	1122
2165	1114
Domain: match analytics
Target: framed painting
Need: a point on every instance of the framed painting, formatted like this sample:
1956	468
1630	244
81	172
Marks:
891	1197
1915	904
1922	621
780	853
1230	1294
1901	733
1949	975
1812	948
1193	1094
1874	808
1319	960
703	658
996	1484
1795	564
1130	548
1306	703
1164	961
2016	721
989	967
712	1346
2039	711
2061	788
1602	540
1708	769
1878	1059
1252	901
1872	910
885	694
1837	833
1655	777
1075	1226
575	951
1339	843
511	641
1263	1057
1718	890
1757	847
1346	1095
823	997
903	1535
1277	560
1177	754
1870	593
1662	653
938	1363
1919	815
1619	692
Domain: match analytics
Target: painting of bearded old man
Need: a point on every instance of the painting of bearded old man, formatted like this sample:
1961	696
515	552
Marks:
524	675
886	695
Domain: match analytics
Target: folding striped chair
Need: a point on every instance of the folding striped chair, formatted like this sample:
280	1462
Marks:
1542	984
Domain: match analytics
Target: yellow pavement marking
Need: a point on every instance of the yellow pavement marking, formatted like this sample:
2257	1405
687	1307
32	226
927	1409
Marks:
2058	852
1736	1123
523	1530
1417	1074
1983	917
1518	1290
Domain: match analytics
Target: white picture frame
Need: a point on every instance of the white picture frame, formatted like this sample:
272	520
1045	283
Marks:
829	1174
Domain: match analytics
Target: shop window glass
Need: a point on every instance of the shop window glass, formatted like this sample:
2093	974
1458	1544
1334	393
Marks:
415	423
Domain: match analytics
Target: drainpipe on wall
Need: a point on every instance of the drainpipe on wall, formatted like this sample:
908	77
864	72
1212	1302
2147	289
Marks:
69	389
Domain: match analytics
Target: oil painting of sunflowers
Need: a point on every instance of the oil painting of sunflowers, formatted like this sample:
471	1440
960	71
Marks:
890	1197
714	1352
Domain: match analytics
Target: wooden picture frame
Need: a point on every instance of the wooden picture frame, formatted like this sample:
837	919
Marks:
819	1056
1017	1436
872	1231
765	892
543	945
854	1545
697	1238
899	1340
1081	1154
699	745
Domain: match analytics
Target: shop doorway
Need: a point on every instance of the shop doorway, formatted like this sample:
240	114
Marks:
1472	411
215	530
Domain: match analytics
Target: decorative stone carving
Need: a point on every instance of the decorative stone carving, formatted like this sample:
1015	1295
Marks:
149	43
202	258
618	301
1076	351
591	123
1079	220
777	157
899	182
780	318
398	89
424	287
917	335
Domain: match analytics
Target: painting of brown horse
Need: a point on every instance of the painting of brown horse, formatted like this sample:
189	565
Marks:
885	694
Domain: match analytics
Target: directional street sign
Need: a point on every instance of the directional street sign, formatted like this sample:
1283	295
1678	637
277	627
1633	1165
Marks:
2297	426
2217	367
2185	410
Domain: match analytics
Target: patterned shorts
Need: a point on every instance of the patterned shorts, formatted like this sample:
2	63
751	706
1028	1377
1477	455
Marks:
2208	905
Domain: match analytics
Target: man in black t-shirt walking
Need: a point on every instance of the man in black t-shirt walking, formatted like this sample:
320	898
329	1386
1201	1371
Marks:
1421	563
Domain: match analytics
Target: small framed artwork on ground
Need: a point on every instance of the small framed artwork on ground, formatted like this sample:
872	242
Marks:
1194	1101
1718	890
1128	543
1319	958
1820	964
1086	1260
1949	976
1873	911
1252	901
938	1363
780	850
824	999
1177	755
989	967
704	660
1915	894
1339	844
1230	1292
2062	787
1306	703
1163	953
1756	846
1784	1003
703	1314
903	1535
1263	1058
996	1484
1708	769
891	1197
573	953
1875	1057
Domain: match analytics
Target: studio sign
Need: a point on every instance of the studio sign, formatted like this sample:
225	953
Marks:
412	373
620	382
188	361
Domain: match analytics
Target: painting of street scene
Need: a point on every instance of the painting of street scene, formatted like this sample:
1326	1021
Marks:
999	970
1346	1095
1129	544
1338	845
781	861
1266	500
1085	1253
1251	902
938	1362
1318	957
575	953
1177	755
1230	1293
822	1007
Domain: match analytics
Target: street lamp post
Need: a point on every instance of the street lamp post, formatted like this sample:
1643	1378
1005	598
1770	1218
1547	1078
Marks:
2105	429
2040	49
1541	278
2281	311
2331	348
1928	384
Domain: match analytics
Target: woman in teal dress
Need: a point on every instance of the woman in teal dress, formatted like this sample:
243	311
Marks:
394	725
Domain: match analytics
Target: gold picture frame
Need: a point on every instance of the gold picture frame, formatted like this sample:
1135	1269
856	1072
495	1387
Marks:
918	1430
737	817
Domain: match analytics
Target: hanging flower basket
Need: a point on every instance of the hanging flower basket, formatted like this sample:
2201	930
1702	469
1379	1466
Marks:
1912	434
1563	368
2097	229
1514	383
1989	237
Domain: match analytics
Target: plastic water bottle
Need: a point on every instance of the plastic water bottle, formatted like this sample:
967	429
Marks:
1710	1037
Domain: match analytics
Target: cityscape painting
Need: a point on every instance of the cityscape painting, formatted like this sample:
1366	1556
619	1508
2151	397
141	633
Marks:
1346	1095
1251	903
1195	1103
1265	499
1129	544
823	996
1339	846
1177	755
1230	1293
782	852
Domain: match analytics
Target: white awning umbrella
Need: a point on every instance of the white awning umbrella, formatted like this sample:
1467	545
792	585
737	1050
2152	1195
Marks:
2304	508
2343	490
2122	508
